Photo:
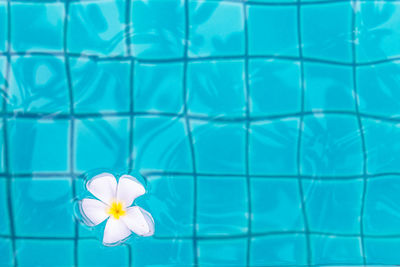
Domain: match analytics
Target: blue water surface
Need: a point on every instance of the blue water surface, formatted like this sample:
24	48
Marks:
267	131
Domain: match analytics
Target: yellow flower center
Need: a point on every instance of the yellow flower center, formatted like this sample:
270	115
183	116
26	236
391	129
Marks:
116	210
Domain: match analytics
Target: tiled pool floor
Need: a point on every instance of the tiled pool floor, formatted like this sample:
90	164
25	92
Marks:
268	132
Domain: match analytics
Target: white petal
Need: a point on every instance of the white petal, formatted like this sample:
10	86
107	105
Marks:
93	211
103	186
139	221
115	231
129	188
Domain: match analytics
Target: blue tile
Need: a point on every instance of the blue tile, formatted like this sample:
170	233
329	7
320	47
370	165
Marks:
175	218
213	197
318	1
49	205
382	206
6	253
273	147
323	35
161	143
331	145
219	147
2	149
100	86
102	144
97	28
382	146
210	84
158	29
275	250
275	205
272	1
38	145
275	87
378	33
38	84
3	70
332	206
216	28
153	86
153	252
382	251
37	26
45	253
80	186
3	26
377	89
272	30
328	87
95	233
4	215
333	250
230	252
93	253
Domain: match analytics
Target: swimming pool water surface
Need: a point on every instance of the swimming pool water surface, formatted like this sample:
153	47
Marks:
267	131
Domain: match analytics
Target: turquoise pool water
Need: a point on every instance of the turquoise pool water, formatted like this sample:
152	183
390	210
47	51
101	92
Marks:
267	131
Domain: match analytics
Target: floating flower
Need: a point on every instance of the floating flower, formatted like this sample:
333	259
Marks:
114	204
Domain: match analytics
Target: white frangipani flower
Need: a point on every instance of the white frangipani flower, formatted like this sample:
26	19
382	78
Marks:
114	202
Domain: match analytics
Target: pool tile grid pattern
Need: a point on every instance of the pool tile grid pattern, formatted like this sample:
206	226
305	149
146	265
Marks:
63	160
